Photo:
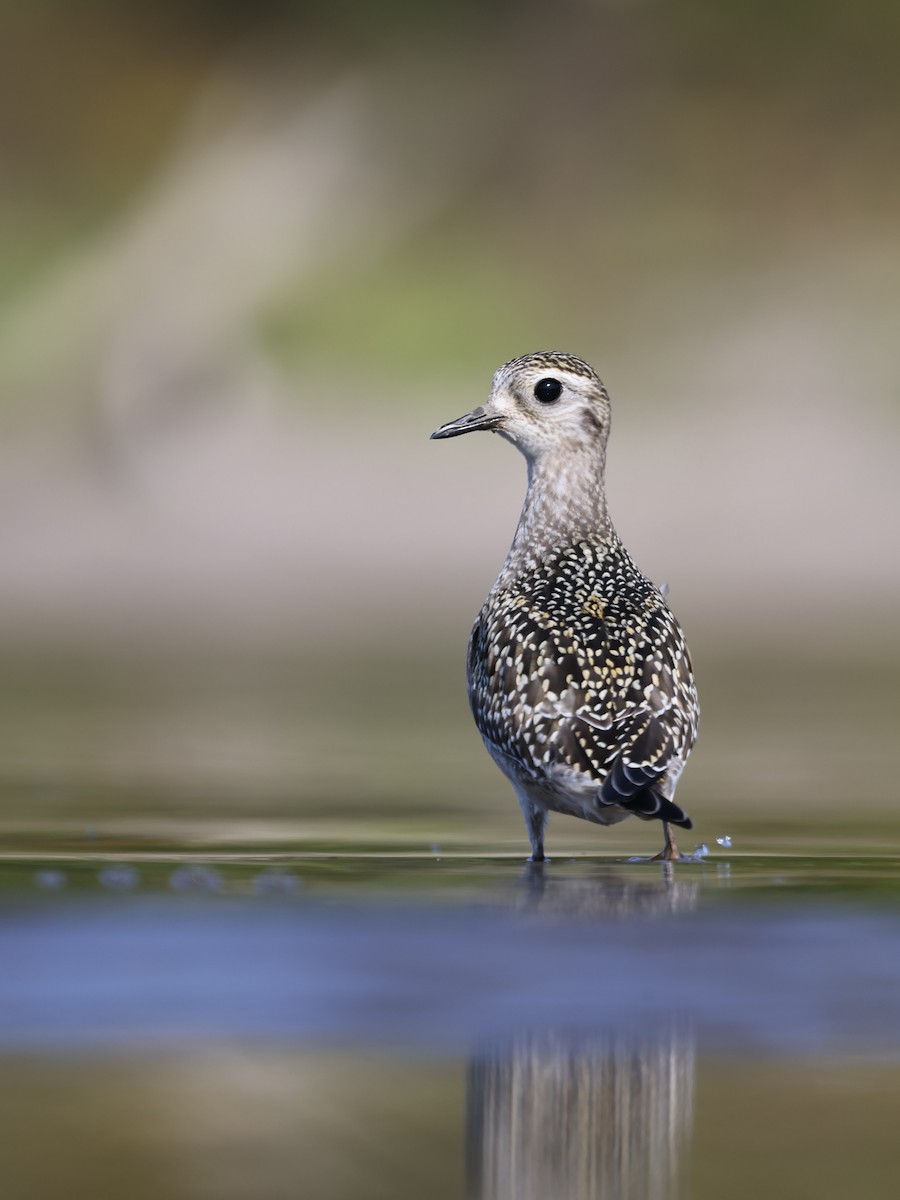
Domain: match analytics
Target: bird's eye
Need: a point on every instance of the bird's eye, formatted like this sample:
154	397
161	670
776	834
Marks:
547	390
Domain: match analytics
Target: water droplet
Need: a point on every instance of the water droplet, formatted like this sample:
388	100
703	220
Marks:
50	879
195	878
724	840
275	883
701	852
119	877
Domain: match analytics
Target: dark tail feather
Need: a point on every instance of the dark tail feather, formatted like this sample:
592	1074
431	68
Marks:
650	805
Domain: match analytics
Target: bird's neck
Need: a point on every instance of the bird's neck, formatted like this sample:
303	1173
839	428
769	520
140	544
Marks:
565	504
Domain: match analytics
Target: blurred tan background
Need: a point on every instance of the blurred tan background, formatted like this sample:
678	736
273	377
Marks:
250	256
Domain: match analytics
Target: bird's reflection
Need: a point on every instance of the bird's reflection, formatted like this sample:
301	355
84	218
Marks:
603	892
593	1118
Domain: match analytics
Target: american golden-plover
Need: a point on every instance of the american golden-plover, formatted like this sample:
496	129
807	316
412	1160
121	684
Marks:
579	678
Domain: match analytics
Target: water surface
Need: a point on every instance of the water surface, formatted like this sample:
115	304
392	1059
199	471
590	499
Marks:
365	1025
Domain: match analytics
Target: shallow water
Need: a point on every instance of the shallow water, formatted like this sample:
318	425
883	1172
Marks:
253	945
366	1025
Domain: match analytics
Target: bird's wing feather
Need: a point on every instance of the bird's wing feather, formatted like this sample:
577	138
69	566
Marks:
583	696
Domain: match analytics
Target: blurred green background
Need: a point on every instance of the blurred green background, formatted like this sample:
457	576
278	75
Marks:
251	255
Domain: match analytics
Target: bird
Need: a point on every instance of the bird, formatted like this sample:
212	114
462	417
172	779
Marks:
579	676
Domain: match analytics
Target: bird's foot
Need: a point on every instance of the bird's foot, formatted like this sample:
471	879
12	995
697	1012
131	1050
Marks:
669	853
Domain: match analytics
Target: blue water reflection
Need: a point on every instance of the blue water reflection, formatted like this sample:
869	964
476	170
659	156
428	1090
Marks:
586	955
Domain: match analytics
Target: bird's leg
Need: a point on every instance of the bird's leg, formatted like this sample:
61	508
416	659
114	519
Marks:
669	852
535	820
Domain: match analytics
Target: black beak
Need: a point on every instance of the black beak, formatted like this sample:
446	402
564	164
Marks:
477	419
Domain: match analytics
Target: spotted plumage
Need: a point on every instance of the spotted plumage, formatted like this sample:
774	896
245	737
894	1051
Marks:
579	678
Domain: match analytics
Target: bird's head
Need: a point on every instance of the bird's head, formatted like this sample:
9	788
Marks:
544	403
